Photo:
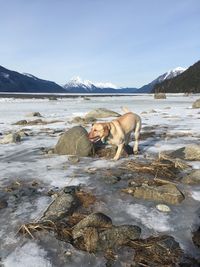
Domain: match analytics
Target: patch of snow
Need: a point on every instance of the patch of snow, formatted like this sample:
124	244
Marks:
102	163
150	217
28	255
169	74
5	75
196	195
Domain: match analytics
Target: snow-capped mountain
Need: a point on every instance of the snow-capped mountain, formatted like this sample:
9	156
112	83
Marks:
87	85
170	74
166	76
187	82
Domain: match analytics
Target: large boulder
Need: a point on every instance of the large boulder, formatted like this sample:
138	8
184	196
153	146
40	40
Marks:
196	104
102	113
75	142
190	152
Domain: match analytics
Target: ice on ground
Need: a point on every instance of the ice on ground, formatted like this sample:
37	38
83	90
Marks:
28	255
150	217
26	162
196	194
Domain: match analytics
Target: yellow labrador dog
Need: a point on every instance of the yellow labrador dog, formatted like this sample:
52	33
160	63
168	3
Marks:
118	131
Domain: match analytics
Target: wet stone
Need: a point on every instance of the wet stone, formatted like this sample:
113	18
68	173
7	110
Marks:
167	193
190	152
192	178
3	204
64	204
111	179
73	159
97	220
34	114
196	238
118	236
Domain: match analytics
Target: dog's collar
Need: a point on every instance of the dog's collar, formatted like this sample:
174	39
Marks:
105	141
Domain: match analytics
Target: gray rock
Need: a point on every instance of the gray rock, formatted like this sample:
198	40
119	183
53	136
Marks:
96	233
23	133
196	104
3	204
73	159
153	111
96	220
192	178
118	236
75	142
64	204
168	193
80	120
52	98
111	179
196	238
34	114
102	113
190	152
11	138
21	122
160	96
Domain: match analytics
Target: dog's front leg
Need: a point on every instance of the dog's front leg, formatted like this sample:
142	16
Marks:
119	151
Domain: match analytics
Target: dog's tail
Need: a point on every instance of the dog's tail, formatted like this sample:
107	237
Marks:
125	109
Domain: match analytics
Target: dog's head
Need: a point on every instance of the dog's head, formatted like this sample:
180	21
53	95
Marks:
99	131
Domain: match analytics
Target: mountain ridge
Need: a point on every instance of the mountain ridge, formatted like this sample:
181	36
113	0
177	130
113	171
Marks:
186	82
167	75
13	81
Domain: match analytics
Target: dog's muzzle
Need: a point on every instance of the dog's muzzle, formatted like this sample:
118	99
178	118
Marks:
94	139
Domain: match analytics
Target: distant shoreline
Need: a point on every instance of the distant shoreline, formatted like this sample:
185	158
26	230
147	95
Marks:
55	95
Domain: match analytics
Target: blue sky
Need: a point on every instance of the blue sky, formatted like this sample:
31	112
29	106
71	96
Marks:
127	42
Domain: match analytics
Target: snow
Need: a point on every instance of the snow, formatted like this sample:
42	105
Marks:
175	127
78	82
151	218
173	73
5	75
30	76
28	255
196	195
169	74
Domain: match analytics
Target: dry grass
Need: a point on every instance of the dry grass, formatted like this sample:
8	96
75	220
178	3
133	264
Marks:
152	251
29	228
160	168
86	198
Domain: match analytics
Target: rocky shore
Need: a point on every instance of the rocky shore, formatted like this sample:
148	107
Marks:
68	201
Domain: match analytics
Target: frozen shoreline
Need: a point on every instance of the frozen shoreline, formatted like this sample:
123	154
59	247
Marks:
175	124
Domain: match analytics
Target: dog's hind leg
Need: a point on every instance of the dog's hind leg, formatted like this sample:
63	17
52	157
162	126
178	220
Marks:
127	139
137	135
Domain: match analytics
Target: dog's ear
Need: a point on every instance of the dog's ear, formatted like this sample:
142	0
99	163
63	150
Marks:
106	129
